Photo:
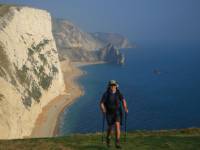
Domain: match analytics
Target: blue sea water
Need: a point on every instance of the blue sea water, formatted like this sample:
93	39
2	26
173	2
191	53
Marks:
165	100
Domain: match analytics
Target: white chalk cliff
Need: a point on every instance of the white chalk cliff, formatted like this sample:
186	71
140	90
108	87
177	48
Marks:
30	74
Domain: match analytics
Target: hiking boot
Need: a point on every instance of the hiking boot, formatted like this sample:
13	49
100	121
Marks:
108	141
117	144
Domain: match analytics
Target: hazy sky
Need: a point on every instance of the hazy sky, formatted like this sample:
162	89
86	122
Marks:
136	19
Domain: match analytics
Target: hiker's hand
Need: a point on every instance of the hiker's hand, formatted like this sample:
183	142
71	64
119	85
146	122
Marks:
104	111
126	110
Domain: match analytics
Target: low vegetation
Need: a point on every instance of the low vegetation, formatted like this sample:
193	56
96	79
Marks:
54	70
37	48
4	62
1	97
22	75
43	59
5	66
35	92
186	139
4	9
2	72
39	68
42	69
45	81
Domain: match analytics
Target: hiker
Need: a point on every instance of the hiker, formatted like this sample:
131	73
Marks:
110	105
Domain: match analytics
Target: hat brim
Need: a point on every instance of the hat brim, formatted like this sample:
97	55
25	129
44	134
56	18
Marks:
113	84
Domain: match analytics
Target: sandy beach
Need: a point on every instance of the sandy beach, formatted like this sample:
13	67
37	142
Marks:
47	122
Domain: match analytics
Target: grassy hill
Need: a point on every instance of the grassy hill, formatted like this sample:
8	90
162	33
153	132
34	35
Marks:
183	139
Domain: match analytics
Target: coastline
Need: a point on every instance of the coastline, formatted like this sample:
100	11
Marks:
47	123
80	64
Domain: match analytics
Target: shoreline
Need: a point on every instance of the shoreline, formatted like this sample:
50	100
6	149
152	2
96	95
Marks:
78	86
47	123
81	64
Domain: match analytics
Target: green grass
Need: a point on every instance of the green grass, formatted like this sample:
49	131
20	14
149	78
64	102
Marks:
187	139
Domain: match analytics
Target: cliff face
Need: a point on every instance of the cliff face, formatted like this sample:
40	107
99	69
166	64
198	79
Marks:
80	46
30	74
111	54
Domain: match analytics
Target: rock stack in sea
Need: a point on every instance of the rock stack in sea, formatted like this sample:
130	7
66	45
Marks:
111	54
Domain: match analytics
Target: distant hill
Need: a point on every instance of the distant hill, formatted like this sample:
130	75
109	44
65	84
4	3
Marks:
70	36
118	40
78	45
182	139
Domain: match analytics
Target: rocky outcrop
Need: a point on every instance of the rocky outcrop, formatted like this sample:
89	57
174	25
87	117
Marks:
111	54
82	46
30	74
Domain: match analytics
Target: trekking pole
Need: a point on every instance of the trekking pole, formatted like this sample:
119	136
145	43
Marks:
103	122
125	127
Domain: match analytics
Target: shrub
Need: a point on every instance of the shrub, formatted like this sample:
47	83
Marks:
37	48
35	92
41	69
45	41
5	65
54	70
1	96
45	81
22	75
30	52
4	62
36	72
41	45
2	72
27	101
43	58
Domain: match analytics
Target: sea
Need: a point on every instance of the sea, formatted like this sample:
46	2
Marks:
161	85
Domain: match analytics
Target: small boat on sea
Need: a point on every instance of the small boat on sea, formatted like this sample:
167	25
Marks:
156	71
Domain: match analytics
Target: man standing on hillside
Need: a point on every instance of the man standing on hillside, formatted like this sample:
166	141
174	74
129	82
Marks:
111	106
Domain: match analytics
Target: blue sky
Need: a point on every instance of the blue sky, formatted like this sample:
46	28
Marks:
139	20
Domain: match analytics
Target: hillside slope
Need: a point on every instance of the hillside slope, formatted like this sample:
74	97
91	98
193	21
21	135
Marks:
70	36
115	39
185	139
79	45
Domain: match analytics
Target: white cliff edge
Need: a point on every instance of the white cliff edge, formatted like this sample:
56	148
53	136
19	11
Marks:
30	73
